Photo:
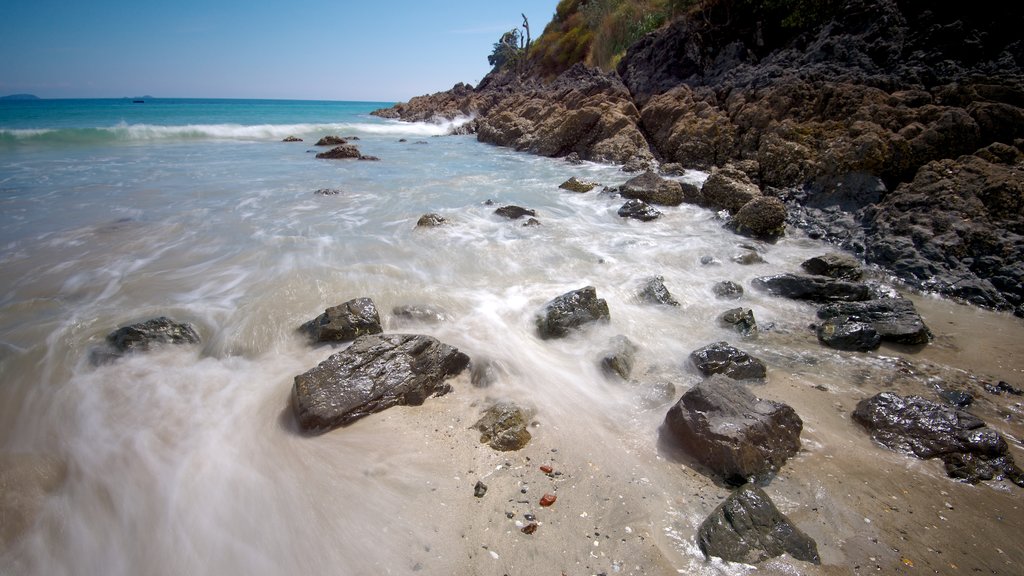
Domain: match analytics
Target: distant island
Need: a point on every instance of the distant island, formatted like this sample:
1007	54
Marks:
20	97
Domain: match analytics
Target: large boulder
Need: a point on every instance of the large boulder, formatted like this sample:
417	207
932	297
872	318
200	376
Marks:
813	288
728	189
834	265
344	322
735	435
503	427
654	189
721	358
373	374
894	319
763	217
748	528
844	333
571	311
970	450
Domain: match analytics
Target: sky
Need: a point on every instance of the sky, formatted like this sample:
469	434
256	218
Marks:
369	50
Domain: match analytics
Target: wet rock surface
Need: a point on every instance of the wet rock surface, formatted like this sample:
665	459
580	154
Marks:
574	184
571	311
655	292
727	290
514	212
721	358
740	319
834	265
894	319
763	218
653	189
503	427
748	528
373	374
619	358
331	141
639	210
970	450
145	336
344	322
813	288
845	333
341	152
735	435
423	313
431	221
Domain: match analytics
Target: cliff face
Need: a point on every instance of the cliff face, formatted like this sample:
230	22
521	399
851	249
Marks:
893	128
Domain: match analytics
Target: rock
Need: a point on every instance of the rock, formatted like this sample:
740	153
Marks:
837	265
655	292
970	450
728	189
844	333
813	288
748	528
721	358
575	185
431	221
748	257
503	427
639	210
957	398
654	189
485	372
708	260
145	336
737	436
514	212
727	290
373	374
574	159
344	322
531	222
740	319
340	152
763	217
292	139
479	489
570	311
331	141
548	499
424	314
327	192
894	319
619	358
368	158
1001	387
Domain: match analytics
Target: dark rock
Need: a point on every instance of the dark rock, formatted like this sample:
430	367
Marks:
503	427
721	358
570	311
655	292
957	398
373	374
639	210
576	185
327	192
708	260
292	139
748	257
479	489
514	212
368	158
737	436
1001	387
340	152
834	265
894	319
420	313
344	322
619	358
728	290
764	217
740	319
431	221
844	333
813	288
331	141
654	189
748	528
531	222
144	336
926	429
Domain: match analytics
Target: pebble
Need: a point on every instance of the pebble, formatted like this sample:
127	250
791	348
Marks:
548	500
546	469
480	489
529	528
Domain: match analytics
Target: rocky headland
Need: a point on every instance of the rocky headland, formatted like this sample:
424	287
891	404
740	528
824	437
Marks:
891	128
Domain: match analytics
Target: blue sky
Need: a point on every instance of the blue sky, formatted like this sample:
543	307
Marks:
384	50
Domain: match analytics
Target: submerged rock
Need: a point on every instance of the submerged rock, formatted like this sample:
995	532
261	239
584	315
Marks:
727	289
894	319
292	139
655	292
740	319
503	427
653	189
331	141
514	212
373	374
424	314
145	336
619	358
486	371
748	528
639	210
813	288
834	265
576	185
341	152
845	333
431	221
344	322
570	311
971	451
721	358
737	436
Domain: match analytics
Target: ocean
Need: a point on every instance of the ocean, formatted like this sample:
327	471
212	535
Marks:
187	459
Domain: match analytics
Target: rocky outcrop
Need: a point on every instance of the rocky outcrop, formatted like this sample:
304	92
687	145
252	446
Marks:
344	322
970	450
571	311
144	336
721	358
735	435
893	319
373	374
503	427
748	528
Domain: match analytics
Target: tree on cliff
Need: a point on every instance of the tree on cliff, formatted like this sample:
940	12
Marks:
506	50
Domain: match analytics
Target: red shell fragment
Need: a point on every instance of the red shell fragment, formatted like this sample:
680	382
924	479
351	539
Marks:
529	528
548	500
546	469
